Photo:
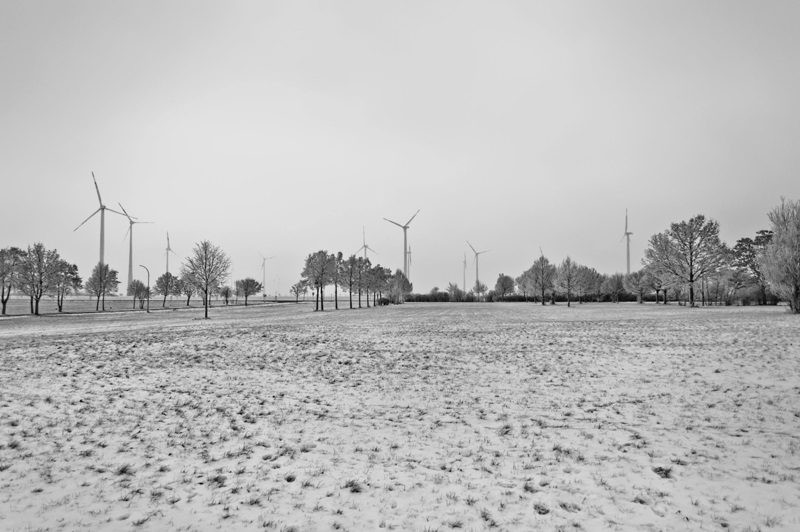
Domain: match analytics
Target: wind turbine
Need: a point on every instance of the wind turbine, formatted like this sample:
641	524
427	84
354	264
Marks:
477	254
130	241
627	235
405	241
168	251
365	247
102	210
264	274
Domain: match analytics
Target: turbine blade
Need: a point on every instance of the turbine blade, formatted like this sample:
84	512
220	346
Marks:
123	210
126	233
112	210
97	189
87	219
415	215
470	245
395	223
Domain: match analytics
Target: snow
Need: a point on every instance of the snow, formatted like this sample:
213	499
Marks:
415	417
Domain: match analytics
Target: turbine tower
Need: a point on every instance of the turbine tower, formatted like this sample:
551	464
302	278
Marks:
102	210
409	262
168	251
264	274
365	247
405	241
627	235
477	254
464	287
130	241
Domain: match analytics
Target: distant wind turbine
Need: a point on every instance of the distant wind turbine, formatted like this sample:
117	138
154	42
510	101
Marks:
477	254
627	235
168	251
102	210
264	274
129	234
365	247
405	241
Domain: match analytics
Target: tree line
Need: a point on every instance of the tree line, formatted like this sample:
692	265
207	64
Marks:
354	275
687	263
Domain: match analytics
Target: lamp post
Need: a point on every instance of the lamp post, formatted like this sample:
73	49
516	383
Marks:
148	287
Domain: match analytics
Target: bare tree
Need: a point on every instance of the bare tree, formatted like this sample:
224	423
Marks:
300	287
207	268
480	289
348	275
637	283
247	287
10	260
226	294
103	281
780	262
319	268
746	253
37	273
504	285
65	281
567	278
687	251
614	285
399	287
167	284
543	275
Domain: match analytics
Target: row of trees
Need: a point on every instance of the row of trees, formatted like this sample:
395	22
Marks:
686	261
354	275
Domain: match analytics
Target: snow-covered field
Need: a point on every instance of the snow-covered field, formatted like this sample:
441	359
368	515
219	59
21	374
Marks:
417	417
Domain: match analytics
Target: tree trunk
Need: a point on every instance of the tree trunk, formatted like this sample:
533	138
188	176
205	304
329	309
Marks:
359	296
205	302
164	303
691	294
336	295
321	298
350	293
97	306
104	302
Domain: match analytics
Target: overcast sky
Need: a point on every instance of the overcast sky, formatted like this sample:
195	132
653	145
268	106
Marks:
282	128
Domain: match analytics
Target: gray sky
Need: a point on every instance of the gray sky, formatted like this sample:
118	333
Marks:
284	127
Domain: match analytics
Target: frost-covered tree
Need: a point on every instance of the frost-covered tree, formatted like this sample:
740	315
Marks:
319	271
104	281
687	252
37	273
637	283
65	281
10	260
780	261
207	269
247	287
613	286
504	285
567	278
167	284
543	274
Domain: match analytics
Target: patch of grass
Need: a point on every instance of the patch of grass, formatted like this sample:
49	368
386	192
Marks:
663	472
541	509
124	469
354	486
